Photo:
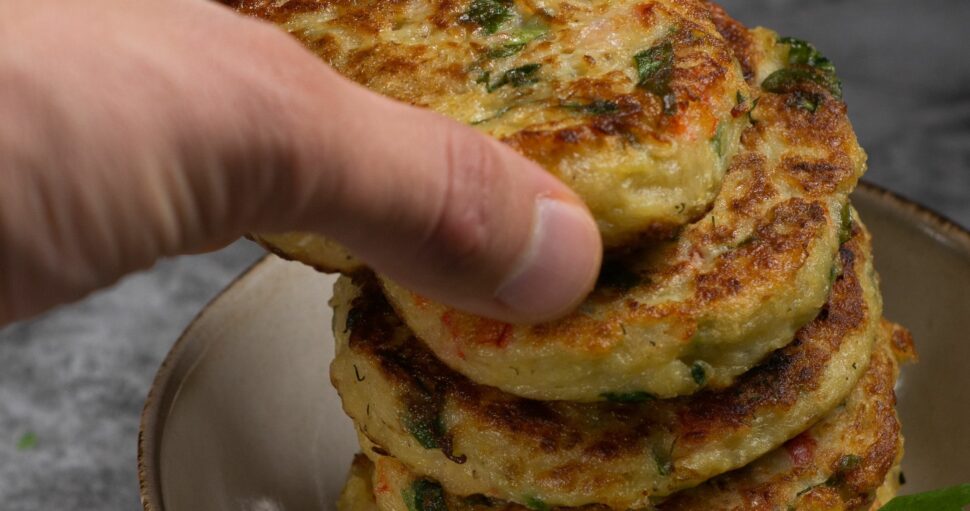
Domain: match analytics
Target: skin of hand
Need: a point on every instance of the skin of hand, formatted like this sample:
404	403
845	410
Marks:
132	130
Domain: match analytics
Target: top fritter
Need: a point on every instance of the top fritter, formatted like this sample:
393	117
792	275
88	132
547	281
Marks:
636	106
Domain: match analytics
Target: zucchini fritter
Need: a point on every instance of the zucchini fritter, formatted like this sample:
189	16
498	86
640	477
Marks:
847	461
477	439
358	492
730	289
637	106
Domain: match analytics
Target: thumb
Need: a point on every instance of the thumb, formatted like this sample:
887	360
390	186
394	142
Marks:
226	126
442	209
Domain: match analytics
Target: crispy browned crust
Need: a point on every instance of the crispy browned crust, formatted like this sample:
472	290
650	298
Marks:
839	463
547	120
738	38
845	458
588	439
821	161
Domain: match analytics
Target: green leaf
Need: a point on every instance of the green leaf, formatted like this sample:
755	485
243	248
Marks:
954	498
664	461
788	79
718	140
698	373
518	40
803	53
595	107
845	224
516	77
425	495
655	69
27	441
536	504
427	430
488	14
805	64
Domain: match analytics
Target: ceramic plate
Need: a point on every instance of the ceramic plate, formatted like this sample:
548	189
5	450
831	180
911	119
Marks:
242	415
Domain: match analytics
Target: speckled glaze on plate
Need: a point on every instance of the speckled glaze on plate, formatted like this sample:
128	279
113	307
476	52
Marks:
242	415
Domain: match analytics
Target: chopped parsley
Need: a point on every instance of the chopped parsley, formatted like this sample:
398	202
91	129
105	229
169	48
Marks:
27	441
846	464
627	397
664	460
518	40
595	107
655	69
698	373
803	53
428	431
516	77
718	140
805	64
536	504
845	224
488	14
425	495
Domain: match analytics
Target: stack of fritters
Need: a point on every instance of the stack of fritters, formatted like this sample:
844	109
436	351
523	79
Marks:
733	354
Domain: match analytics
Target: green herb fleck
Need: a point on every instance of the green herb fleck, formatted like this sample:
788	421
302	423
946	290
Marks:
655	69
834	273
595	107
803	53
518	40
425	495
740	98
488	14
698	373
522	75
807	100
718	140
845	224
846	464
954	498
627	397
536	504
787	80
496	115
805	64
27	441
516	77
664	461
428	431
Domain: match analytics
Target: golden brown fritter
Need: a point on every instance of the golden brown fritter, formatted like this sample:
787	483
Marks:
730	289
477	439
633	104
358	492
847	461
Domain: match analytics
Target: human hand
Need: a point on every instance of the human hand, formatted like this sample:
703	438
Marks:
135	129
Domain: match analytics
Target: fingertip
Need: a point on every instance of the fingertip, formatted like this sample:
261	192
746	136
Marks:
559	266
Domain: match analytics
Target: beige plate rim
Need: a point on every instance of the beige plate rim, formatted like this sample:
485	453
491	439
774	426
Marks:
177	363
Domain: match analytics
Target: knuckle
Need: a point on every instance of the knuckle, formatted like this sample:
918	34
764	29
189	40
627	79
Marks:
465	226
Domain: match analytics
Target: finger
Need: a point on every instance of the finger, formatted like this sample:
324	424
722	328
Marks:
442	209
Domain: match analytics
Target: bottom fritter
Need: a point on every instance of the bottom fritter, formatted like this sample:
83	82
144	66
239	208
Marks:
847	461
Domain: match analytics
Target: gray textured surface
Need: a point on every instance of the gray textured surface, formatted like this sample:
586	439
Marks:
77	377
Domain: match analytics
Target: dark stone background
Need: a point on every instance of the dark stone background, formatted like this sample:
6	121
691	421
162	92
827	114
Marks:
76	378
